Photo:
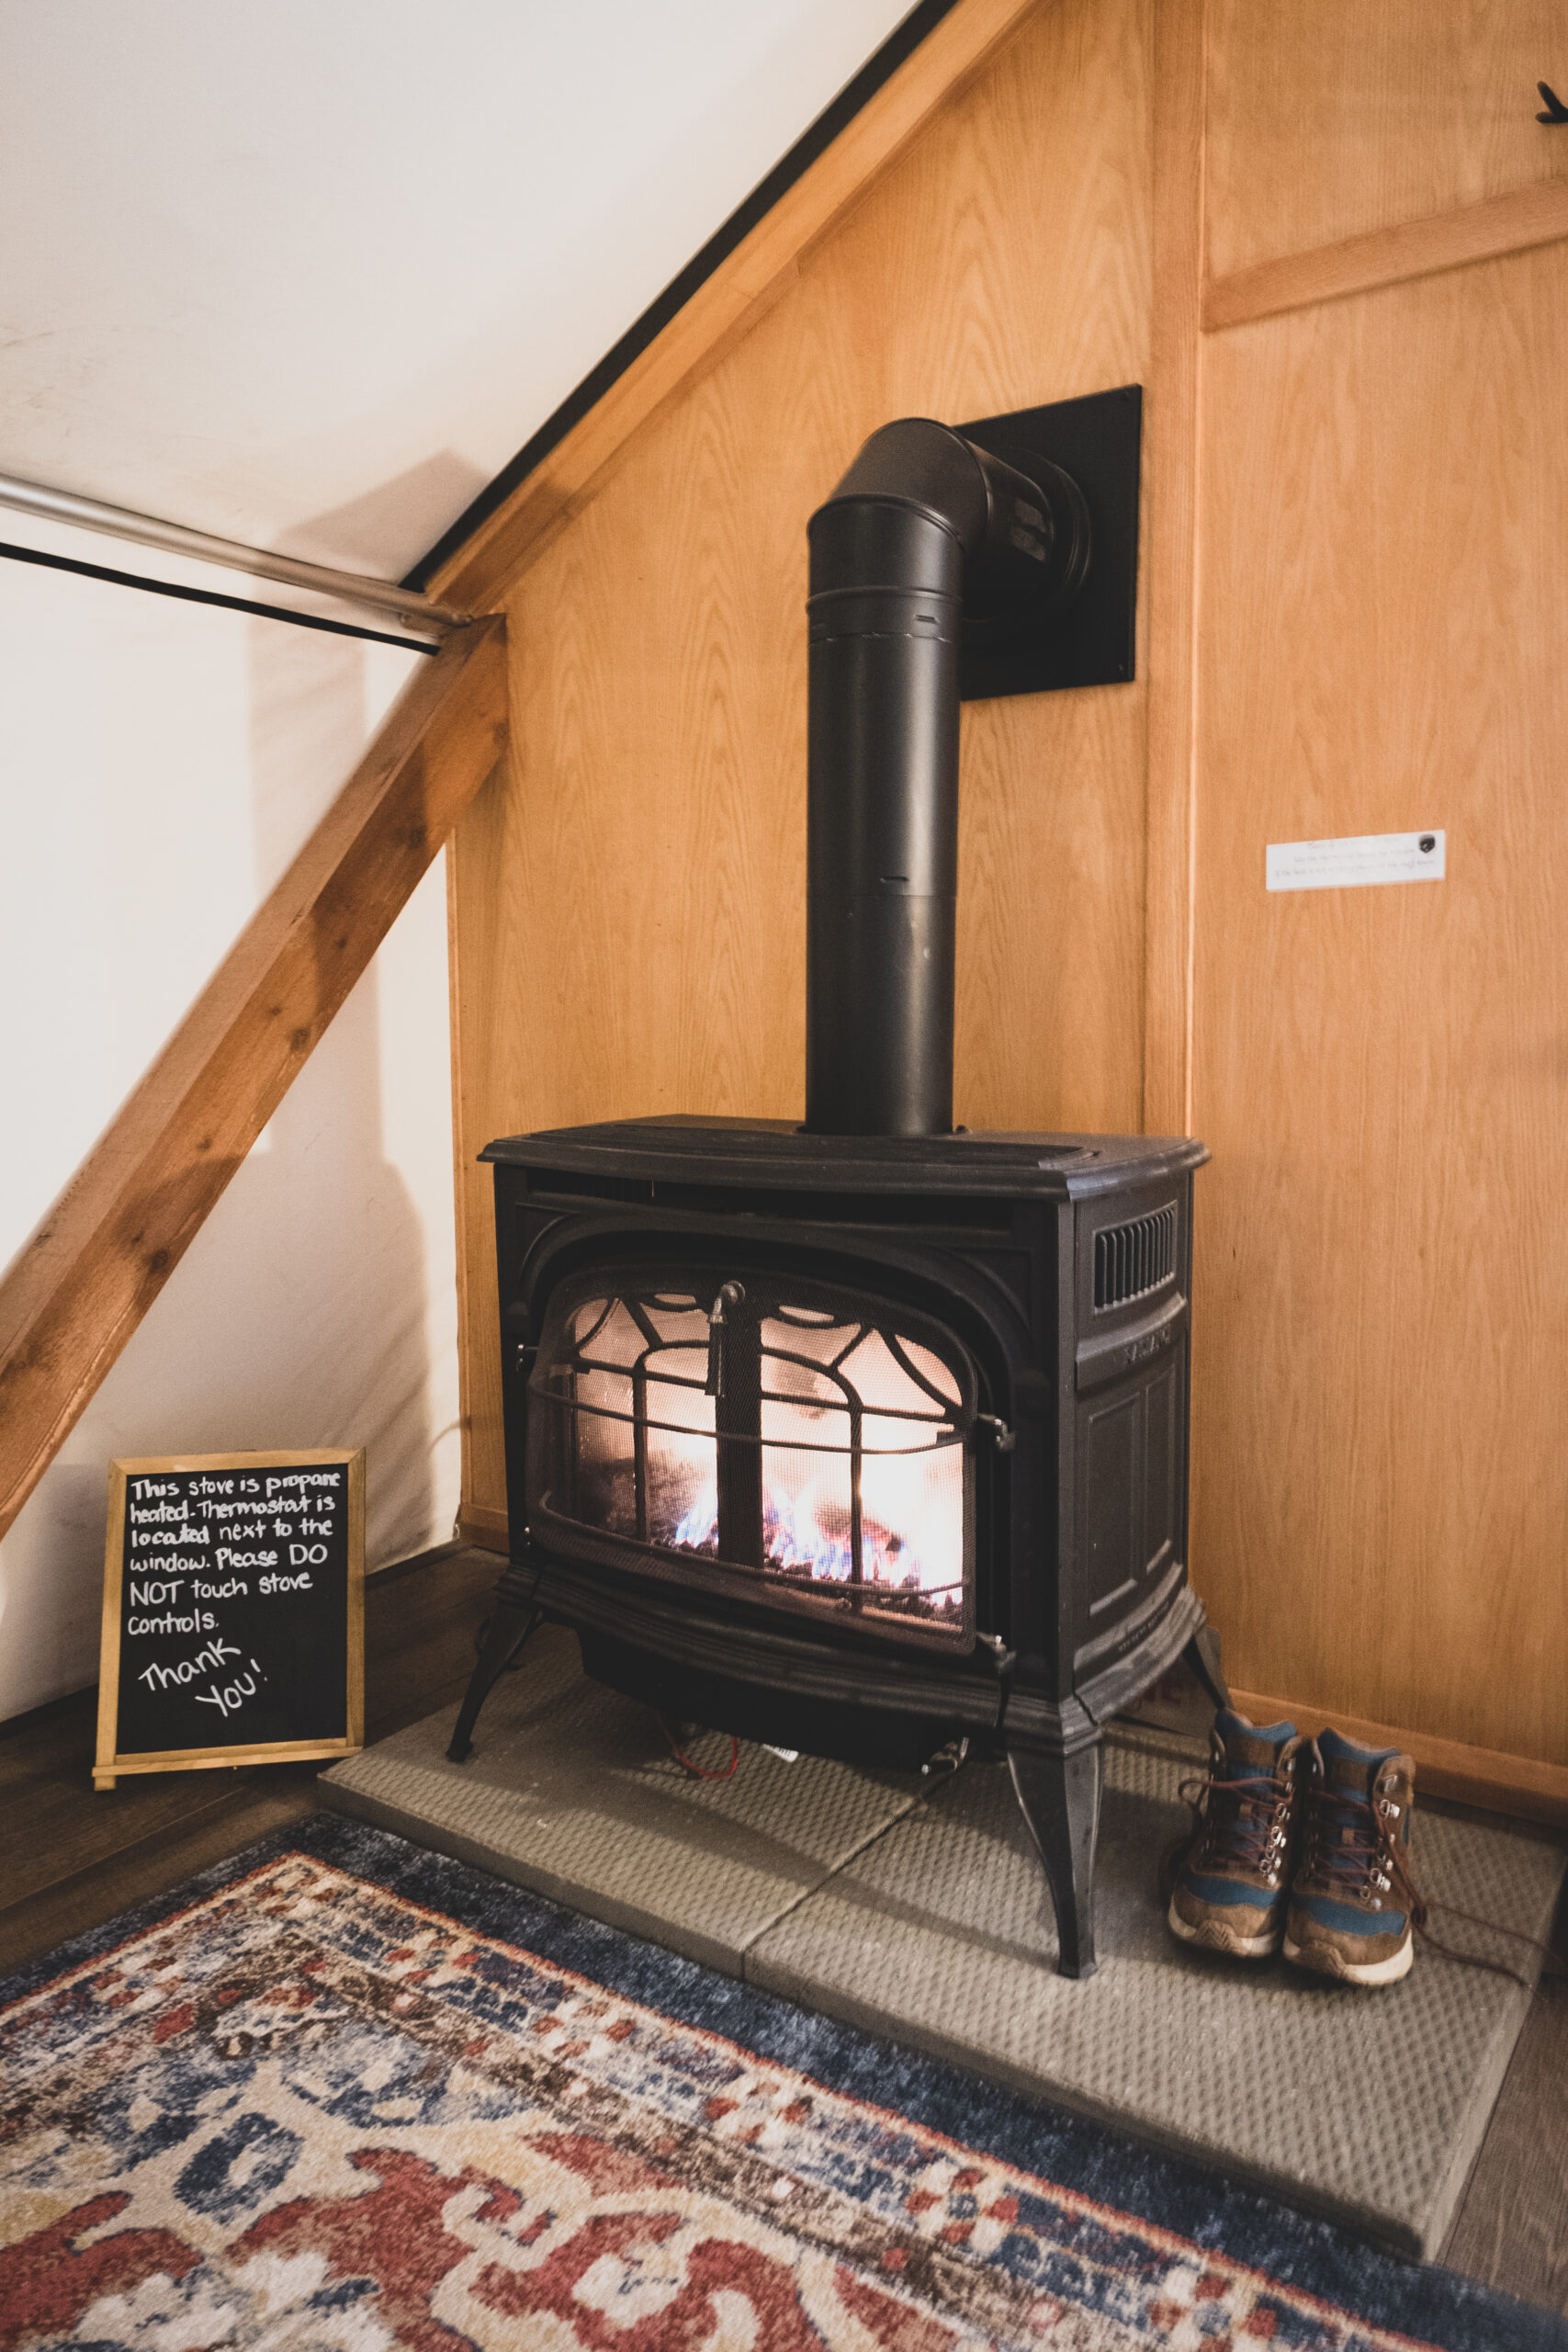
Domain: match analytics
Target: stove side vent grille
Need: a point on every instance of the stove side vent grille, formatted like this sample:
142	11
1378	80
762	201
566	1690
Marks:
1132	1259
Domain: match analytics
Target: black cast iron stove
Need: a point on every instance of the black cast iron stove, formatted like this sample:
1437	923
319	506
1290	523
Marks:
867	1437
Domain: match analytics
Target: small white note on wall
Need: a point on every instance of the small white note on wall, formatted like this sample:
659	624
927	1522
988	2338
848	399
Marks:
1358	858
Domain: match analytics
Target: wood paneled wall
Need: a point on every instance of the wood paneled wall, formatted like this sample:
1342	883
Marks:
629	903
1381	1479
1332	118
1353	555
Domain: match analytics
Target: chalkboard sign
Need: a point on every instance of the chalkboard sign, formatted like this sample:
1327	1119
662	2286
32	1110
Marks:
234	1611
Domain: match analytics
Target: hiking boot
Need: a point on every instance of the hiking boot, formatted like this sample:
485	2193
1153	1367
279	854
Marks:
1352	1907
1232	1883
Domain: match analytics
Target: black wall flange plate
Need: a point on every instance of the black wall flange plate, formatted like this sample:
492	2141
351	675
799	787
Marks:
1097	441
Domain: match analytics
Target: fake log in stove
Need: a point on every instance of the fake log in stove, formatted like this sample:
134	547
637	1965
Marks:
868	1437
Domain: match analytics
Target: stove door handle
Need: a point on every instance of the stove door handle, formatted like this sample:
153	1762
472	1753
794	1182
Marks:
730	1294
1002	1438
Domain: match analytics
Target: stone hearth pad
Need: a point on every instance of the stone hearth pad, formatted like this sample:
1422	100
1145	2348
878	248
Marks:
573	1791
919	1913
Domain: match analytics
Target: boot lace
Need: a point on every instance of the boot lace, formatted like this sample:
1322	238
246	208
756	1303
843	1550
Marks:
1346	1847
1242	1822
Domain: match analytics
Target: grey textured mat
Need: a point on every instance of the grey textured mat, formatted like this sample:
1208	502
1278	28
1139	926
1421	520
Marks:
1367	2106
921	1916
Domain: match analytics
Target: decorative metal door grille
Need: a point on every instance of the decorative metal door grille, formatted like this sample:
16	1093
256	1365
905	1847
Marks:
805	1446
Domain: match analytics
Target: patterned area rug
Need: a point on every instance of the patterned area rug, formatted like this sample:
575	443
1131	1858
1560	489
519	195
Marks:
348	2094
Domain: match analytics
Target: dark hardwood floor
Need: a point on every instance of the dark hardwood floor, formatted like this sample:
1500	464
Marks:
1512	2225
70	1859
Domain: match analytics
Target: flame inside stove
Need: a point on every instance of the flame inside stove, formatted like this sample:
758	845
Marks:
854	1429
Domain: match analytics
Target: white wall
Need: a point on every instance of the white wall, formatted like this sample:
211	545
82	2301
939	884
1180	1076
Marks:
320	266
159	766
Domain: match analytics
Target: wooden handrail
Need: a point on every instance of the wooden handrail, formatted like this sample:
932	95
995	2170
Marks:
84	1282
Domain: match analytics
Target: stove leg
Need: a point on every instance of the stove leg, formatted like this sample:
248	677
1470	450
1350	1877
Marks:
511	1624
1202	1655
1059	1797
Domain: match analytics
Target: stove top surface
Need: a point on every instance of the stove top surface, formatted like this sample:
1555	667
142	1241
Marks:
776	1152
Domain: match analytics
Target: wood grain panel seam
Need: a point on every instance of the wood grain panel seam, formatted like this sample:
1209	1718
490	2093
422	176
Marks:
1514	222
1170	832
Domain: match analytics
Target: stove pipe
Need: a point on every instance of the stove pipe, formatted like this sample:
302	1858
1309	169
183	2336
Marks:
925	533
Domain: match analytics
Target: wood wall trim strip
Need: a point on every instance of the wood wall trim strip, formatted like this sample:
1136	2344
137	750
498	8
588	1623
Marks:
1173	401
733	299
466	1335
488	1530
1445	1767
84	1282
1503	224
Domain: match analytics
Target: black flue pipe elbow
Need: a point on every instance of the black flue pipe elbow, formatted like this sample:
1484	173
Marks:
922	529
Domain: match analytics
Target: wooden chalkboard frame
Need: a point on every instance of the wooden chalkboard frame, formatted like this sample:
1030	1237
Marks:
108	1767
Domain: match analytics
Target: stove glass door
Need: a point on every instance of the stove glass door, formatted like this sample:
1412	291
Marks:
803	1445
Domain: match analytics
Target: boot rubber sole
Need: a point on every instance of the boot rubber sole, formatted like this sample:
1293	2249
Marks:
1324	1960
1211	1936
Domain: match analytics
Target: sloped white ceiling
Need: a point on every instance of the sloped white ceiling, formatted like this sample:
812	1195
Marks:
307	273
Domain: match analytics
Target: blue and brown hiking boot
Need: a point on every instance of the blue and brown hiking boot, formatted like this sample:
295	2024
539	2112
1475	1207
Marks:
1353	1910
1234	1881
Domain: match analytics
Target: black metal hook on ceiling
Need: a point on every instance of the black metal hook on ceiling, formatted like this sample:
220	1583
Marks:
1555	109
